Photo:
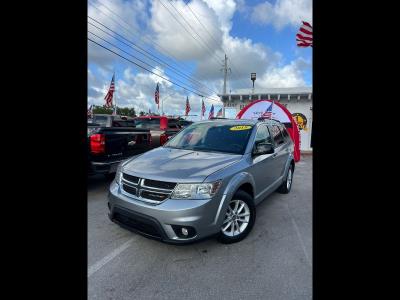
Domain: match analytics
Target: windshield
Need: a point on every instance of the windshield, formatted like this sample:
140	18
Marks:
214	137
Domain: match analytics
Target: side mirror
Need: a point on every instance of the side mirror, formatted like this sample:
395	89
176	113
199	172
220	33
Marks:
263	148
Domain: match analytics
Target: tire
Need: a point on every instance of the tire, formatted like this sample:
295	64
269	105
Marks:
286	185
240	197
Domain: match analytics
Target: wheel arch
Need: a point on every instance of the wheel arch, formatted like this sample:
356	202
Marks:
242	180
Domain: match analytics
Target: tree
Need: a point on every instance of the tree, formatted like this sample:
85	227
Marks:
124	111
102	110
142	113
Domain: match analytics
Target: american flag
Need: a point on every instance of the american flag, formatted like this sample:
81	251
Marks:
157	96
110	93
90	111
187	106
268	112
203	108
304	36
219	113
211	114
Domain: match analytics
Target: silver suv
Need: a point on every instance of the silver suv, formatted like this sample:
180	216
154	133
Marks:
207	180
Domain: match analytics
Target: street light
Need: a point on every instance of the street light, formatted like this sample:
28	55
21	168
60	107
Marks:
253	78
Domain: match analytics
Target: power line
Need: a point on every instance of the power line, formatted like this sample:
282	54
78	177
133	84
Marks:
184	19
183	26
143	62
141	37
216	42
189	90
158	60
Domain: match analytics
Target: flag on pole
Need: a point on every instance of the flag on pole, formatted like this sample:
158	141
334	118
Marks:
90	111
187	109
157	96
110	93
219	113
304	36
203	108
268	112
211	114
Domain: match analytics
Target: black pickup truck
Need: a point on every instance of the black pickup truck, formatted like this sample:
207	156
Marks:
112	139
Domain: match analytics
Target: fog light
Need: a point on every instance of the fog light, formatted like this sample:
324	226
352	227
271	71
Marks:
184	232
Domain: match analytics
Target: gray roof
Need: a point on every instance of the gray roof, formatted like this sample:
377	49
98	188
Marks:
292	90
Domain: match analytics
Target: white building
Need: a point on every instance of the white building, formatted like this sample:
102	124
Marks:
297	100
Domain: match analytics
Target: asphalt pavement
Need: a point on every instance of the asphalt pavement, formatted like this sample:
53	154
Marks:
273	262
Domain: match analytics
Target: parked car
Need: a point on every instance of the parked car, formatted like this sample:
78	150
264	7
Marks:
111	141
207	180
162	128
112	120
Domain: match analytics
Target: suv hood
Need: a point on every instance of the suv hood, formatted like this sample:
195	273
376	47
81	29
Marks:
176	165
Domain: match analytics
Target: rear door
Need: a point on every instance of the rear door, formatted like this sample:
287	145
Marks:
281	151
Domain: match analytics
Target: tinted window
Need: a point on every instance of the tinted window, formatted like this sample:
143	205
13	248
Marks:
277	136
148	123
124	123
213	137
262	135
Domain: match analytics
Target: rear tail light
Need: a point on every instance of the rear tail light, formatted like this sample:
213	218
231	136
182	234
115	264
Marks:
98	143
163	139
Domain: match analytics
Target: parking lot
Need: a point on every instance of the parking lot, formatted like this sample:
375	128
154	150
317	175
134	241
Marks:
273	262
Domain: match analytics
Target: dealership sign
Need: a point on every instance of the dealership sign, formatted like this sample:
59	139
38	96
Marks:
255	109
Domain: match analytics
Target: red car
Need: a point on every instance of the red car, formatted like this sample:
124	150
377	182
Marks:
162	128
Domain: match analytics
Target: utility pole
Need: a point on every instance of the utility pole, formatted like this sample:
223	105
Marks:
225	69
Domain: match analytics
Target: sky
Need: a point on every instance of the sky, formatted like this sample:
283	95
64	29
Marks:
185	42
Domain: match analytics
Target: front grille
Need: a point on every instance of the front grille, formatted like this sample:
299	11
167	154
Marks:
137	224
129	189
154	195
159	184
147	190
130	178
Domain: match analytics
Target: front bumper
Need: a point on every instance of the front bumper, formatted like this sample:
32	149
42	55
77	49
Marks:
159	221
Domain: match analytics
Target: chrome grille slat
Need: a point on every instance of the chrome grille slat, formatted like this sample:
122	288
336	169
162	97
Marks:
152	194
129	183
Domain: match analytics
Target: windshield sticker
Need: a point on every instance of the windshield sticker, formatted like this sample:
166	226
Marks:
241	127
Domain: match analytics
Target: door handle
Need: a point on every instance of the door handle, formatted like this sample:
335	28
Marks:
274	155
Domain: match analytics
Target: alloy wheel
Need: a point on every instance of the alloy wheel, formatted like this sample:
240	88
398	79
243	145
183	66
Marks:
236	219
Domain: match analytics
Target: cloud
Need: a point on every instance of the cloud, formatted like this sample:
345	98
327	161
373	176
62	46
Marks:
224	9
137	90
290	75
194	43
282	13
135	87
125	17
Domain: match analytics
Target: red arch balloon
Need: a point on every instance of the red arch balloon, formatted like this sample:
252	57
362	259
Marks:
293	130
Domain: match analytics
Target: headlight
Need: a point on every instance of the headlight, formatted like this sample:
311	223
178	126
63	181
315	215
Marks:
195	190
118	174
